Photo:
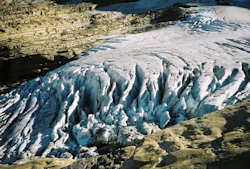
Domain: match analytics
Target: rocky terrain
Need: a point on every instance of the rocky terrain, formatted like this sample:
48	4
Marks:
41	164
217	140
36	37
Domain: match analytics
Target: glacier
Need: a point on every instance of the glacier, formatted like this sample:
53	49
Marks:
130	86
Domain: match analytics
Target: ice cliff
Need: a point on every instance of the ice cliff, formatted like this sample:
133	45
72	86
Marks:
129	86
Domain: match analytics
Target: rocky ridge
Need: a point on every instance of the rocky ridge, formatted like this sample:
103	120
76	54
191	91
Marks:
217	140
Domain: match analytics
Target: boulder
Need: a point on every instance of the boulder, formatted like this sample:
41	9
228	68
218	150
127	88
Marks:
171	14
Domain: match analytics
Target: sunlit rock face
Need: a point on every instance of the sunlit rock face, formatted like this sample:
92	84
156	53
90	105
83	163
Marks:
129	86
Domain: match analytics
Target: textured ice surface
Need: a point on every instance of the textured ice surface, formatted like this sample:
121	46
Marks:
127	87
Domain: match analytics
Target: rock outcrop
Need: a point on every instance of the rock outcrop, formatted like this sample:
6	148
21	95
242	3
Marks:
217	140
51	163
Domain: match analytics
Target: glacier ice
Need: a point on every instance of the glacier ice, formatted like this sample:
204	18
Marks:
129	86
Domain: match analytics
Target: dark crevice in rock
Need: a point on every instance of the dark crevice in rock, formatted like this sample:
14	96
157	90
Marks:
239	119
216	144
167	160
240	161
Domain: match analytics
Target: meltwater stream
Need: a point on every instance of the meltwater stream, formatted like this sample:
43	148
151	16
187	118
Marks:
130	86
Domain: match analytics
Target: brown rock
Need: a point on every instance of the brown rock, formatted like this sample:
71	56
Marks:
217	140
172	14
54	163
